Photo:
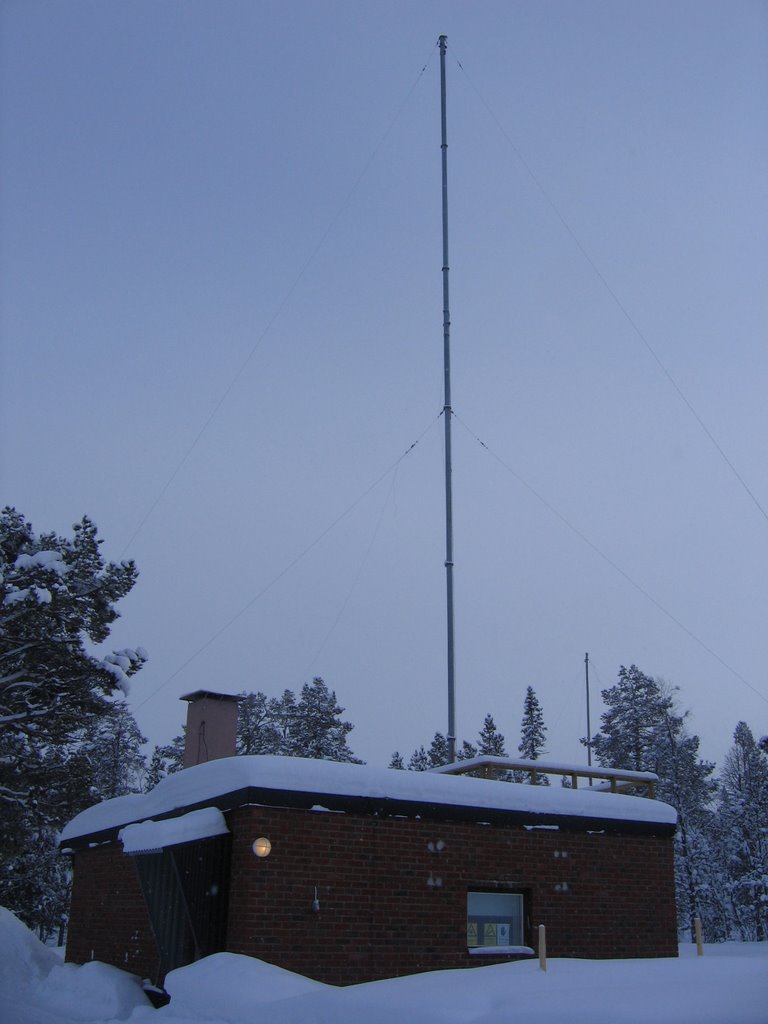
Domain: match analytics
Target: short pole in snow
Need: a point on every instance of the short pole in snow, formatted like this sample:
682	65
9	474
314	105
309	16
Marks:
542	947
697	933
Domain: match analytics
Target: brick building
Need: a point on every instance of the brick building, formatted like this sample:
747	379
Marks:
347	873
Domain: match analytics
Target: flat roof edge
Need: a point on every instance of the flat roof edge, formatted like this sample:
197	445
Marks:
388	807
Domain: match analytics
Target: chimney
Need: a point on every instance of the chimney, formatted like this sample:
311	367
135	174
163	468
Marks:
211	726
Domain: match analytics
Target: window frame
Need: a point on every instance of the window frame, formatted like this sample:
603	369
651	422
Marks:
517	944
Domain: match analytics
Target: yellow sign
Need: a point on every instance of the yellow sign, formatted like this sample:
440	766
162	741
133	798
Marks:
471	933
489	938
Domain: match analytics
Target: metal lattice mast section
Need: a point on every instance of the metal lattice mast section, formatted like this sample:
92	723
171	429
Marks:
447	415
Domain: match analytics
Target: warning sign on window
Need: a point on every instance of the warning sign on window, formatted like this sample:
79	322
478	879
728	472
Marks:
471	933
489	938
503	935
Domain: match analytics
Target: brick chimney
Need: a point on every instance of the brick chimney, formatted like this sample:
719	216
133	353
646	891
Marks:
211	726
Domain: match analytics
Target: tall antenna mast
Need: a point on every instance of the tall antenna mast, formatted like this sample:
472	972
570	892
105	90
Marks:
589	725
447	415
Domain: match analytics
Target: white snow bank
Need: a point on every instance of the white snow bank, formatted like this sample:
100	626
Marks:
230	987
154	835
33	976
23	959
729	985
82	992
329	778
710	990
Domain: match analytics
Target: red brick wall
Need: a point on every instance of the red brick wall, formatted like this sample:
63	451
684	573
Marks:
378	917
108	917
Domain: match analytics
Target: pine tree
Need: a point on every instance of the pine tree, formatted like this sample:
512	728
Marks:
467	751
637	713
439	751
156	770
114	750
532	732
490	740
532	728
685	782
743	817
419	761
166	759
257	732
397	761
57	604
643	730
318	730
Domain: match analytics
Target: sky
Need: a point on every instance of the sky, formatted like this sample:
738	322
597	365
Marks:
221	322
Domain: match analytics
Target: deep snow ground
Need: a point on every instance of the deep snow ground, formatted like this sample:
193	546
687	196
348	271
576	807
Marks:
729	985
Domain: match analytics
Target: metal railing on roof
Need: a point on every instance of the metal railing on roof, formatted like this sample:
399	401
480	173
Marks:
610	780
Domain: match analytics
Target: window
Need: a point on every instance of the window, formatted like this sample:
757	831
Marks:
494	919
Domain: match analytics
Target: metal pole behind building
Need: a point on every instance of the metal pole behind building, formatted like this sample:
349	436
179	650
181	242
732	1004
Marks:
447	415
589	726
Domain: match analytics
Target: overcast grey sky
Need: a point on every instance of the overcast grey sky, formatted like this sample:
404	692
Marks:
222	324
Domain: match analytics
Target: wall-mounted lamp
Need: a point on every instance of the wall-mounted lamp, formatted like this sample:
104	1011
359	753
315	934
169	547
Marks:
262	847
316	903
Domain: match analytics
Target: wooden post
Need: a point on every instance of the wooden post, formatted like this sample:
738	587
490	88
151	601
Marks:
697	932
542	947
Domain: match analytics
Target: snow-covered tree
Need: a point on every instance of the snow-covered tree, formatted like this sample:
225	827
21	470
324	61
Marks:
532	728
57	595
57	604
397	761
318	730
439	751
114	750
419	761
686	783
466	751
283	712
644	730
743	822
490	741
533	732
637	710
166	758
257	732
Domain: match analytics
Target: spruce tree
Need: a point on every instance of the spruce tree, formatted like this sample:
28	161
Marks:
490	741
419	761
743	817
533	732
114	750
438	753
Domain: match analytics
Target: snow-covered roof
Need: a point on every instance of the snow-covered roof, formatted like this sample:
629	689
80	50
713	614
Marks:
301	782
149	836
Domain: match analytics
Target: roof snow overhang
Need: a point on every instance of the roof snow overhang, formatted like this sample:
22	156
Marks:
304	784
